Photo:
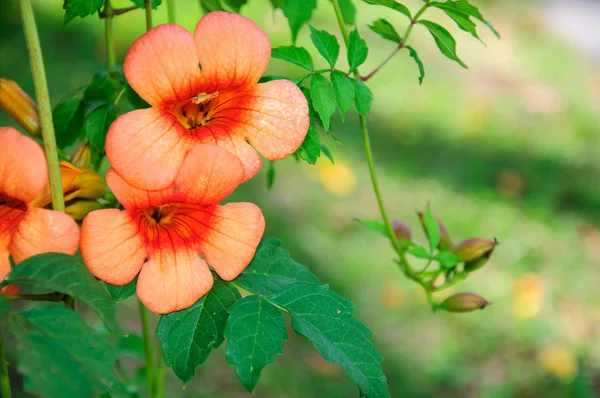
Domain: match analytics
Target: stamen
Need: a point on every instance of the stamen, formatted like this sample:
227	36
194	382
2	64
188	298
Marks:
196	111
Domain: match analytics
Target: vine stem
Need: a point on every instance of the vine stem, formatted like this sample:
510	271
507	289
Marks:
150	371
148	8
4	379
171	10
43	102
108	35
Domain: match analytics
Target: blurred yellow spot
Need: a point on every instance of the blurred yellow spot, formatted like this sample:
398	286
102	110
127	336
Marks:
339	178
392	296
528	294
559	361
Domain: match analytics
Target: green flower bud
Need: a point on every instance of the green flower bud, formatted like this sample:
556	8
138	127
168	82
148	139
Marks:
464	302
475	252
78	209
402	230
445	242
82	158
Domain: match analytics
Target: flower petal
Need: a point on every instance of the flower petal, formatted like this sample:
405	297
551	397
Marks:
5	267
146	148
112	247
273	116
174	278
163	66
23	170
43	231
230	239
233	51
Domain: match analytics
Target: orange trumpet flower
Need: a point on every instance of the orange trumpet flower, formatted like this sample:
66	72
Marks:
203	90
26	230
170	228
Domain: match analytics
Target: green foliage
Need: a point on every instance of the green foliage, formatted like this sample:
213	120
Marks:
255	335
272	269
413	54
393	4
132	346
189	336
348	11
461	12
312	113
236	5
68	122
326	44
73	279
362	97
4	307
310	150
373	225
357	50
121	293
271	174
344	91
432	228
385	29
327	153
211	5
323	99
134	99
60	355
326	320
97	124
142	3
419	252
447	259
444	40
298	13
295	55
80	8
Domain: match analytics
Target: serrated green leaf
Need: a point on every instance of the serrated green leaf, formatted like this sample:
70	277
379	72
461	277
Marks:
432	228
189	336
327	153
68	122
413	54
295	55
391	4
419	252
326	320
377	226
362	97
348	11
211	5
310	150
462	19
134	98
385	29
447	259
97	124
100	92
344	91
468	9
323	99
272	269
357	50
73	279
121	293
142	3
312	113
60	353
271	174
444	40
236	5
298	13
255	334
80	8
326	44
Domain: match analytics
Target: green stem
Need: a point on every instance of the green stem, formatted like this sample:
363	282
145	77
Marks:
4	379
148	8
43	102
413	22
171	10
108	35
160	369
150	371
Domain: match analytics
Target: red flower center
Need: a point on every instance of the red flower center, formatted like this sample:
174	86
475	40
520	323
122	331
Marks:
195	112
11	211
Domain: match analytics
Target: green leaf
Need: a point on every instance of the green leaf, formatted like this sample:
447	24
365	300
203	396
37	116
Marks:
80	8
385	29
295	55
272	269
447	259
348	11
391	4
462	19
211	5
357	50
100	92
326	320
444	40
4	307
419	252
298	13
236	5
467	9
362	97
59	354
97	124
255	334
277	3
142	3
132	345
73	279
326	44
310	150
432	228
121	293
134	98
323	99
373	225
344	91
68	122
271	174
327	153
312	113
413	54
189	336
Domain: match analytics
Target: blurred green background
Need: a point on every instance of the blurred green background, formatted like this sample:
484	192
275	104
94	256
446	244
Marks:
505	149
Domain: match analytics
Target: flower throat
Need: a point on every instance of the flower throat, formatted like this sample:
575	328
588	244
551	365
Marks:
195	112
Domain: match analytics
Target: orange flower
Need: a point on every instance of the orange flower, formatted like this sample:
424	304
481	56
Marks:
170	227
203	90
26	230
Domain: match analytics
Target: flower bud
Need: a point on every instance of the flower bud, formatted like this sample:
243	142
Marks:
475	252
19	106
78	209
464	302
82	158
402	230
445	242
